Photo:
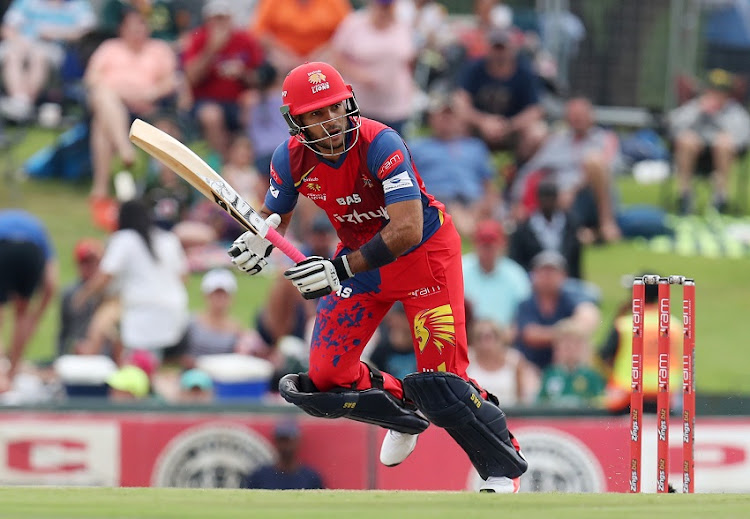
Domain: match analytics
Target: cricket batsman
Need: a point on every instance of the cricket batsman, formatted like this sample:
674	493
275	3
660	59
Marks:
397	243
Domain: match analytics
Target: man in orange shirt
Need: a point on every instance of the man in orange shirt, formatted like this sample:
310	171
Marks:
295	31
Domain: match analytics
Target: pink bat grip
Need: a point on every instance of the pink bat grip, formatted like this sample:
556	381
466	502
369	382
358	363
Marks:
284	245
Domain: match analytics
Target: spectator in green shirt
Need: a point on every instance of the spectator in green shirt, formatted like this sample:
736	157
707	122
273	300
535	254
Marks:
571	380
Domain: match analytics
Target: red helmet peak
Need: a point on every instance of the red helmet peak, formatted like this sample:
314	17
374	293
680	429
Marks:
312	86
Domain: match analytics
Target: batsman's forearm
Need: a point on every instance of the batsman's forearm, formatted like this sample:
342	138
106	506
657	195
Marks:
396	240
357	262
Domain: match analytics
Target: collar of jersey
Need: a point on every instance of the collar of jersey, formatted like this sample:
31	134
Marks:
333	164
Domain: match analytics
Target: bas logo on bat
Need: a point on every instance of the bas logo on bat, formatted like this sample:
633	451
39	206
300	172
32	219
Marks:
223	194
183	161
227	194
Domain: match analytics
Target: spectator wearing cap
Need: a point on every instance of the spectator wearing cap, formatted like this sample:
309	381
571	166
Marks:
74	322
144	359
488	15
548	228
549	304
712	127
128	384
214	331
498	97
494	284
288	472
220	64
456	168
196	387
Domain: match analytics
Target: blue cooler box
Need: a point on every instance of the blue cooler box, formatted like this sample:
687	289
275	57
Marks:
85	375
237	377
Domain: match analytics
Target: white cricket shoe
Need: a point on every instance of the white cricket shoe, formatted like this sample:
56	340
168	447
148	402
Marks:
501	485
396	447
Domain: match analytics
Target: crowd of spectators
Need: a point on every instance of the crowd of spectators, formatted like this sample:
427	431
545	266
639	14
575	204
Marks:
527	192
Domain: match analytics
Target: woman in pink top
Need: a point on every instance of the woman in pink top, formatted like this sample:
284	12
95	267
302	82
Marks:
125	75
375	50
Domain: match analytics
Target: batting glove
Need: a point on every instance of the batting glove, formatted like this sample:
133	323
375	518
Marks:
316	276
249	251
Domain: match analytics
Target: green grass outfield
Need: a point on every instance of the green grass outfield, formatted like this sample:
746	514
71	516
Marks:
144	503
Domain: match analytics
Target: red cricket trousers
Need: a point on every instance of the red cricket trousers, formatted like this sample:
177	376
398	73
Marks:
429	283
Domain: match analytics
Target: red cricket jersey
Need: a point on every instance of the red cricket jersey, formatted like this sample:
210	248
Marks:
355	190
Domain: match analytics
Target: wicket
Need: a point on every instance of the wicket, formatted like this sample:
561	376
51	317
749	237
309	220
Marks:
663	391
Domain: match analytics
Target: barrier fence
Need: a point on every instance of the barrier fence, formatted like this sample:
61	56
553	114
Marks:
574	454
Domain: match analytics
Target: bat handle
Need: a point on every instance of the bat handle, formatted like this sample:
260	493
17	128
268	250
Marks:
284	245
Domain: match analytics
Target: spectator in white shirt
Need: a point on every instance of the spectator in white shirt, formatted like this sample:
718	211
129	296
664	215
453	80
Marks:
499	368
148	267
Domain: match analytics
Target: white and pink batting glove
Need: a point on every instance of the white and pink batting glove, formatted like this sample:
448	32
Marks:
249	251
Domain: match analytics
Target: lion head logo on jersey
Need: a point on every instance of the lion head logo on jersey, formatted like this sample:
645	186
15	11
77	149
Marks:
435	325
316	77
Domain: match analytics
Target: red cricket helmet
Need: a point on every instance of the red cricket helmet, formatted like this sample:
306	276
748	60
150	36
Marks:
312	86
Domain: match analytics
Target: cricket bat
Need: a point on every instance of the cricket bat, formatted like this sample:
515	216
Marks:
183	161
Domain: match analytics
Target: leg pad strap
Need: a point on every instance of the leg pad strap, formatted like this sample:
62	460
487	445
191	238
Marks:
476	424
374	406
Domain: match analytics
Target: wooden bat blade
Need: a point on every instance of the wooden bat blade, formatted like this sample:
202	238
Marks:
187	164
173	154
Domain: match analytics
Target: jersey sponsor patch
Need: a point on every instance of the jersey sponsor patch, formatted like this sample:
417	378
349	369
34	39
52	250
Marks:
393	161
399	181
275	176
